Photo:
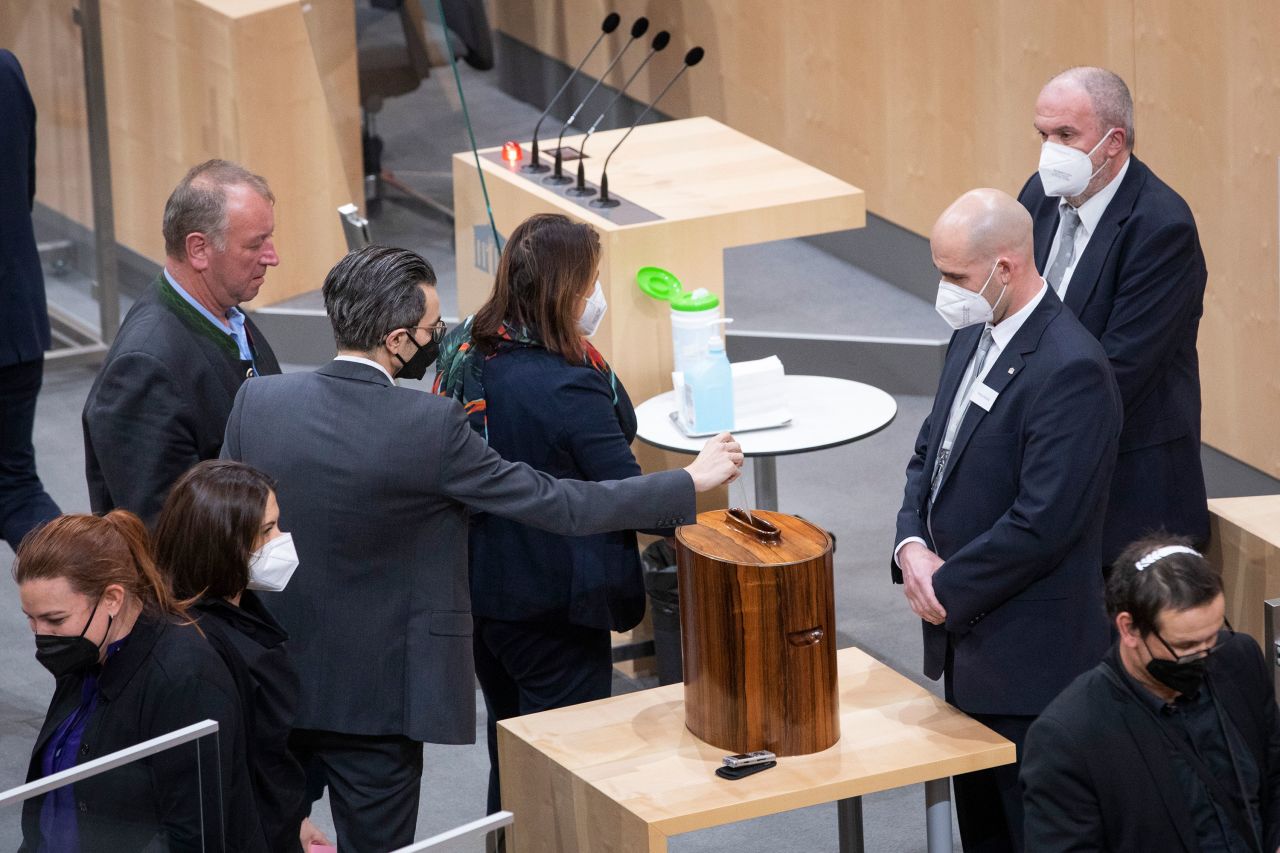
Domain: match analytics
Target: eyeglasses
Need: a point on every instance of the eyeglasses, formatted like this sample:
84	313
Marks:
437	330
1226	632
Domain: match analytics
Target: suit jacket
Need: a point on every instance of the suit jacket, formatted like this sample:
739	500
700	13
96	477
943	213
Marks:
1139	289
1018	516
559	418
165	677
24	320
161	400
375	482
1096	772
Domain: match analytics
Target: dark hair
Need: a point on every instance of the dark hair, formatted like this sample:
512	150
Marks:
1177	582
374	291
94	552
205	533
545	266
198	204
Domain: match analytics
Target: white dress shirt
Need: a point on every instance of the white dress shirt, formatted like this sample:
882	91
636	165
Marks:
362	360
1001	334
1090	214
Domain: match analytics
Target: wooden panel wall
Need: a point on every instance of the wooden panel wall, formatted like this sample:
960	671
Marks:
916	101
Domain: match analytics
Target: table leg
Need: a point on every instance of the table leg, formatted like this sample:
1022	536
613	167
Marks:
765	471
849	817
937	808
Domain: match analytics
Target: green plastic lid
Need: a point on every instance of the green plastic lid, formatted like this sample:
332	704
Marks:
658	283
699	300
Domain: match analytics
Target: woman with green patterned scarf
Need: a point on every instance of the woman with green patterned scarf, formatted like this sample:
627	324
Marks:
540	393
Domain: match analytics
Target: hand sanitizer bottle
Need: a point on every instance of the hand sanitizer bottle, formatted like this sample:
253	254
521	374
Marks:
709	383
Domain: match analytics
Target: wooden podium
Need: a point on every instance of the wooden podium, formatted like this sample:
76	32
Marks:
702	187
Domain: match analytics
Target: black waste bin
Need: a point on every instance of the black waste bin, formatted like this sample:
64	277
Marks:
659	561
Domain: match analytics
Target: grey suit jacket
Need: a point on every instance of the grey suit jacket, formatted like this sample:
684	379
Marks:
375	482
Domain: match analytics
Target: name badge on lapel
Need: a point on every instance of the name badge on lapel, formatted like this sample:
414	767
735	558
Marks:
983	396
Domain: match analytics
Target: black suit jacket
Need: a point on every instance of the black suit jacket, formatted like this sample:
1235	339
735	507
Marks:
24	321
164	678
1139	289
1096	773
161	400
1018	516
375	482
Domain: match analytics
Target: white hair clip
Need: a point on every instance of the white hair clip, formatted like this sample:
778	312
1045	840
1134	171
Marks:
1160	553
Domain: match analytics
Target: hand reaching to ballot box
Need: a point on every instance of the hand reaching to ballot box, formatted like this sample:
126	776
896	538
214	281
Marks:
719	463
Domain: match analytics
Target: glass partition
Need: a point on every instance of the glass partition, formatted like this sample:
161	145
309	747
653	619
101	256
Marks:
162	794
475	837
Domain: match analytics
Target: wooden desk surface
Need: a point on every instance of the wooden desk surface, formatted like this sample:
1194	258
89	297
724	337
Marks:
635	750
1259	515
694	168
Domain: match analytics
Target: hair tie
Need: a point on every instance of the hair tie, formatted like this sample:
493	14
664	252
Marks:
1160	553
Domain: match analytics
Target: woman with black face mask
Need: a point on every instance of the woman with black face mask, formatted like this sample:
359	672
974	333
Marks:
129	666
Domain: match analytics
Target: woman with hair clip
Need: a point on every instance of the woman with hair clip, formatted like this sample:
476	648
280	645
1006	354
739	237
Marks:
540	393
217	540
130	666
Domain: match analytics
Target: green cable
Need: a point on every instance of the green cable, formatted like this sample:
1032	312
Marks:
466	117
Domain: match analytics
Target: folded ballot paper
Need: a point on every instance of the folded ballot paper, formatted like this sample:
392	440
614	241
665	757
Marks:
758	398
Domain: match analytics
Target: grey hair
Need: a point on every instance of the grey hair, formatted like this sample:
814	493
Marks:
374	291
198	204
1112	103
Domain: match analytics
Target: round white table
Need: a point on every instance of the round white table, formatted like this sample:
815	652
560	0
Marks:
825	412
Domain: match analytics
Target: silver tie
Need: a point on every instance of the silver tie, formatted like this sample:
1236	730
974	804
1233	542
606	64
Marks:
959	405
1066	249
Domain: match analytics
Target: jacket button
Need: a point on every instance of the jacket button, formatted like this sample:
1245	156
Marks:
84	807
84	749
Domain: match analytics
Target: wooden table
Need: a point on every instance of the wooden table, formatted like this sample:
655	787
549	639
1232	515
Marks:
623	774
1245	545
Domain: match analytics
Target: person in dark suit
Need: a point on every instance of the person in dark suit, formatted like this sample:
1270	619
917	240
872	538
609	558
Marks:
1121	250
160	402
217	540
1000	529
540	393
129	666
375	481
24	320
1172	742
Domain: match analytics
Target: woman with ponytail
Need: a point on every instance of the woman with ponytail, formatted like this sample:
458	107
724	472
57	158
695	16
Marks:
129	666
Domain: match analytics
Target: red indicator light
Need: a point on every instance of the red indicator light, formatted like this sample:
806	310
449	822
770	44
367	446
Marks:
511	152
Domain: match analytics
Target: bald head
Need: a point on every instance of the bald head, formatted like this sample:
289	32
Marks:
1102	93
984	223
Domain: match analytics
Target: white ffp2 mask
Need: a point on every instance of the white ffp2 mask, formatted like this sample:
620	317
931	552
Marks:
1066	171
273	564
961	308
594	312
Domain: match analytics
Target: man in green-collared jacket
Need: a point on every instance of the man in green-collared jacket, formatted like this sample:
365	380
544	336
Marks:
160	402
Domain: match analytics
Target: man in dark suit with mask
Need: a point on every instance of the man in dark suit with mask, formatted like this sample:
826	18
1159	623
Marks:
24	321
1172	742
161	400
1120	249
375	482
1000	530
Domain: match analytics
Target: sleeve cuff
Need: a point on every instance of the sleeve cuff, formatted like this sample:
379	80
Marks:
902	545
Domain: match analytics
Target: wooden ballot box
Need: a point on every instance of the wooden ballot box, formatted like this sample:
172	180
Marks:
692	188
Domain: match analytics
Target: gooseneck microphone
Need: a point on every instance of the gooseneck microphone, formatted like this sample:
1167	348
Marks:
610	24
660	41
692	58
639	28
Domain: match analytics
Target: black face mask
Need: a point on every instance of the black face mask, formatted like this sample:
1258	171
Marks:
416	366
1185	677
66	655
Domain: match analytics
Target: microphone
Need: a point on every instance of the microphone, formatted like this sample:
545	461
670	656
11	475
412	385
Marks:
637	29
660	41
610	24
692	58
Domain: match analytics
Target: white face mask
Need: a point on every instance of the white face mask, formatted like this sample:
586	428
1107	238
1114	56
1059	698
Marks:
594	312
961	308
1067	171
273	564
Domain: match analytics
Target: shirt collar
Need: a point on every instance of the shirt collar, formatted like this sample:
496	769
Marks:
362	360
1091	211
1004	331
234	316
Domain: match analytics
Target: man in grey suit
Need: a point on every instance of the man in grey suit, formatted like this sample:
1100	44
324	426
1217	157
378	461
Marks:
375	481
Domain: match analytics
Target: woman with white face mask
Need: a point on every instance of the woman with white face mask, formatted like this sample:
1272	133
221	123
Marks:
218	539
540	393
